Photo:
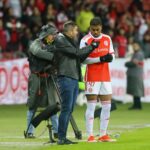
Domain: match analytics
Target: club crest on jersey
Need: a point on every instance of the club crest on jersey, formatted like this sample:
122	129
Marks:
106	43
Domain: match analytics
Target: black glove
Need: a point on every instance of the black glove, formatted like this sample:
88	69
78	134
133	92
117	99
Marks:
106	58
95	44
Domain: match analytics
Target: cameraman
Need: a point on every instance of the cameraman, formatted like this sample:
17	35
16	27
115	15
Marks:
41	89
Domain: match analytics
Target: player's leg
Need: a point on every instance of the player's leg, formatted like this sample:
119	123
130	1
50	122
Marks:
91	94
105	113
105	98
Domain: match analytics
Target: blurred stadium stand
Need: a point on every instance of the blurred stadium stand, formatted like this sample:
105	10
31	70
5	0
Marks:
20	20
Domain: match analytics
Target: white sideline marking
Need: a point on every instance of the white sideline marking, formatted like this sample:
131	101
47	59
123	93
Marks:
71	135
21	144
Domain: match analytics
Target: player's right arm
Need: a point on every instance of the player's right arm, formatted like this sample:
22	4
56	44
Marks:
88	60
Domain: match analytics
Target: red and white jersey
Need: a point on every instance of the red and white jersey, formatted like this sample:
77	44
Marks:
98	72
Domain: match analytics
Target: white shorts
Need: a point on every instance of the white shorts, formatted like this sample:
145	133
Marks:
98	88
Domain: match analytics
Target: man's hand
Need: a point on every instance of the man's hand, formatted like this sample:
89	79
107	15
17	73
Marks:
106	58
95	44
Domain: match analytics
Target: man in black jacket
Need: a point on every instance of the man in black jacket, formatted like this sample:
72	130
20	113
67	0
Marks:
69	73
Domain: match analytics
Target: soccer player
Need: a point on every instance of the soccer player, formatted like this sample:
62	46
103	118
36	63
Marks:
98	80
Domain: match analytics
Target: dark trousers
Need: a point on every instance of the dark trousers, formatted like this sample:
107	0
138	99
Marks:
69	92
137	102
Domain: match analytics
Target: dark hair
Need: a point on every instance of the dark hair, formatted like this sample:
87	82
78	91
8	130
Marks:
68	26
95	21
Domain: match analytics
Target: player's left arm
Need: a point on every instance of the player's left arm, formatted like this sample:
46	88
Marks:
110	56
111	50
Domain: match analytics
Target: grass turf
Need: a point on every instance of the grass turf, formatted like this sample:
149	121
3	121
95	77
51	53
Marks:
133	126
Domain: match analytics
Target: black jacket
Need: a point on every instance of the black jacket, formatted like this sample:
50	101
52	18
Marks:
69	57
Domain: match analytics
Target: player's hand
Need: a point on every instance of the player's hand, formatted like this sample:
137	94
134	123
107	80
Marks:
94	44
106	58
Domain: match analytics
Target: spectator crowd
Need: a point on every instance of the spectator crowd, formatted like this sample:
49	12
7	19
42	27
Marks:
124	20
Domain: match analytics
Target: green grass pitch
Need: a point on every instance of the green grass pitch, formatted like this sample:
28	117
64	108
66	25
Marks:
133	127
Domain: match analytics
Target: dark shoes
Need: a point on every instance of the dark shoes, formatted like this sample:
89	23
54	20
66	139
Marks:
65	142
30	136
